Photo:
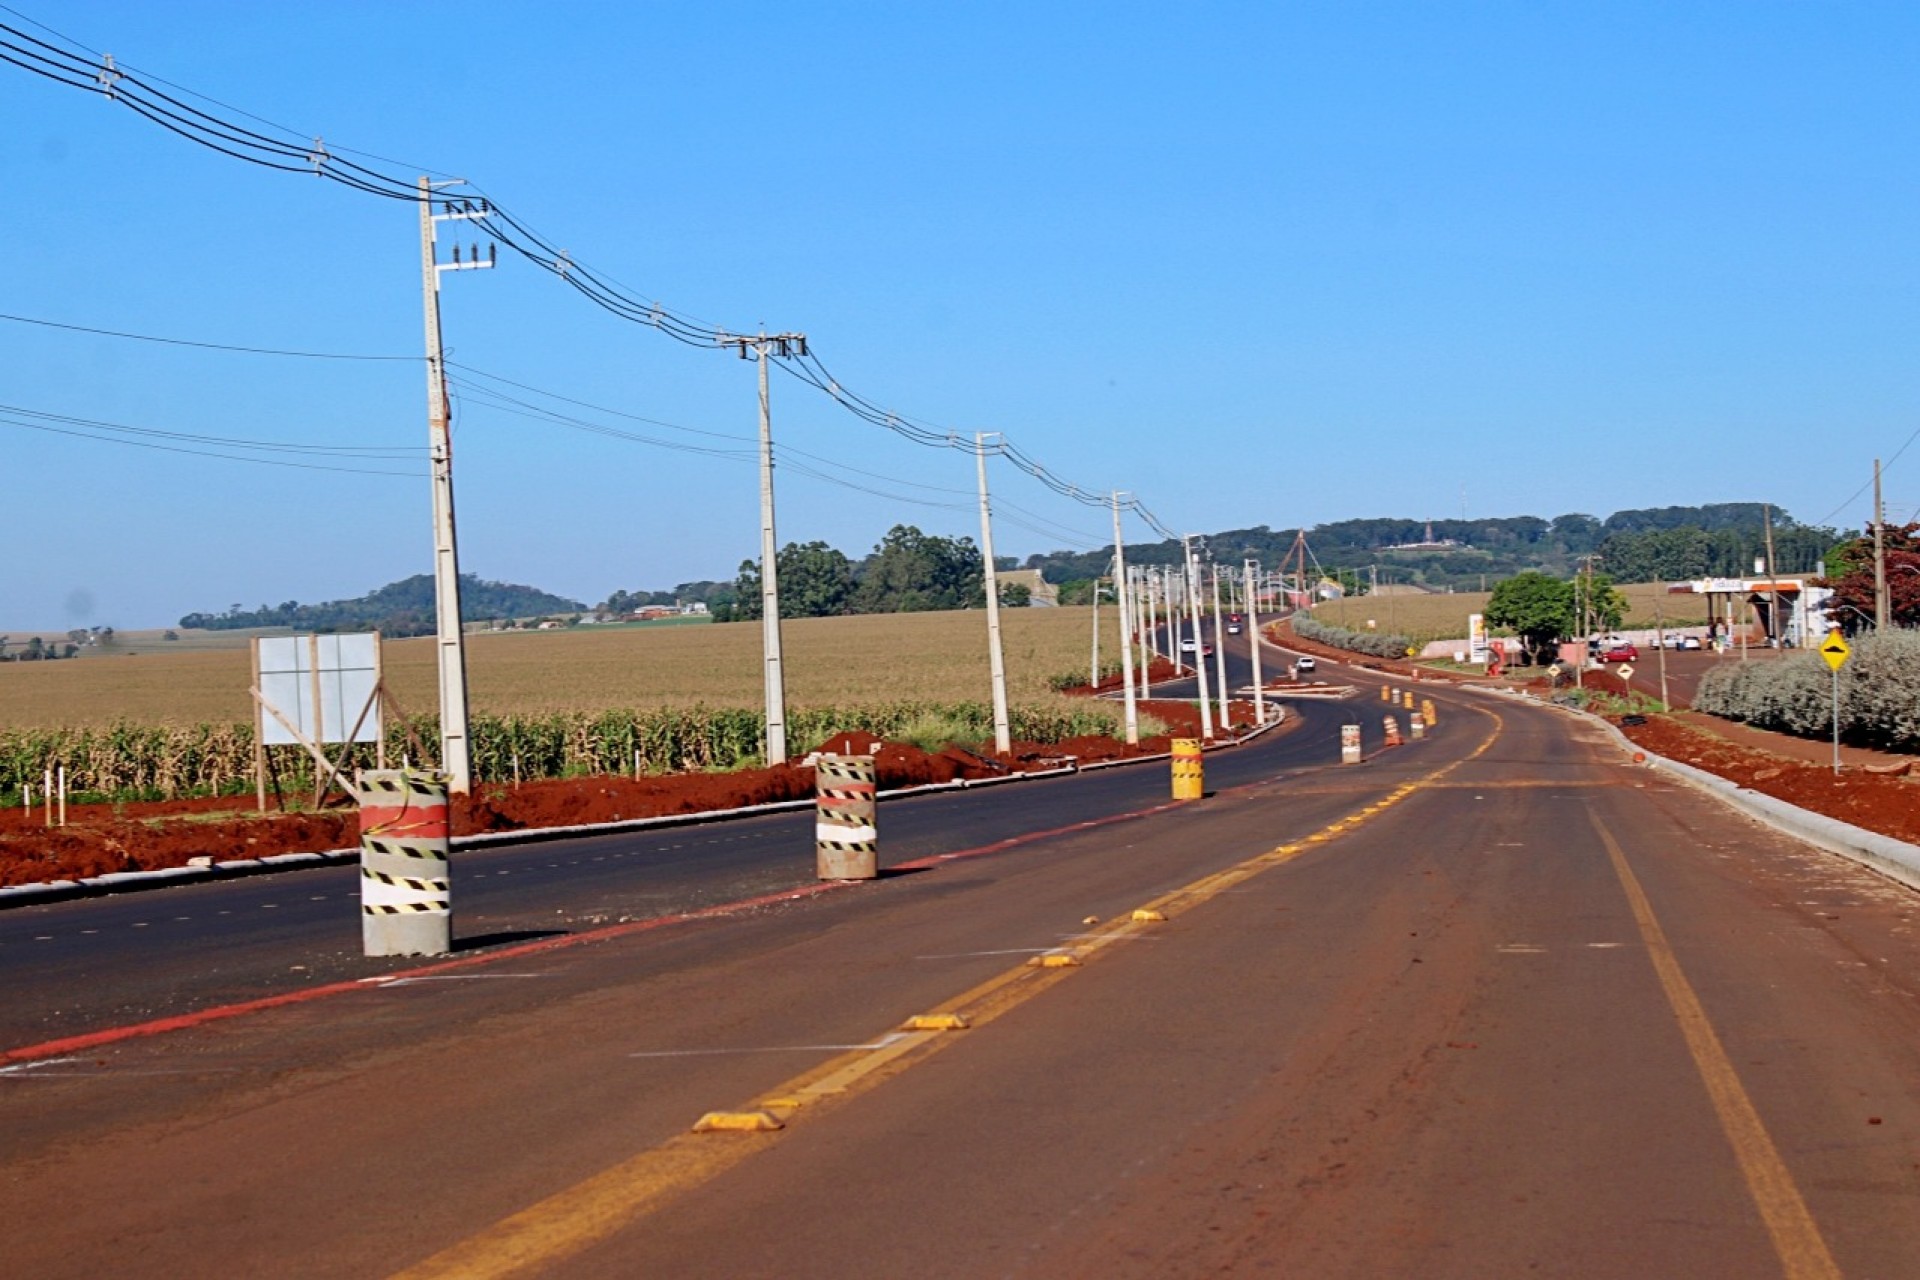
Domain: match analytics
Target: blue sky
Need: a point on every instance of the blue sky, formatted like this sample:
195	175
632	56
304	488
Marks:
1260	264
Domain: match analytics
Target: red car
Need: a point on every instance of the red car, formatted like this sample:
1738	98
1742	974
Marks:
1620	653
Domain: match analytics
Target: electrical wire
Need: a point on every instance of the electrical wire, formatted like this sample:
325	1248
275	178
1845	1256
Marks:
152	438
206	346
126	85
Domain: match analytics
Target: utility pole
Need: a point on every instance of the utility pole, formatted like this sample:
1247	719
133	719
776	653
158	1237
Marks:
1773	585
1124	591
1193	613
1093	661
1253	645
1002	733
1219	649
782	344
1882	598
456	753
1148	577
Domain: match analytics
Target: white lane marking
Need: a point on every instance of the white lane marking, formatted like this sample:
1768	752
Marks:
27	1068
1520	949
883	1042
1605	946
969	955
140	924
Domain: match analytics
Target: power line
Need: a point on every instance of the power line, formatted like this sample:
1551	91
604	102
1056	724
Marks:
206	346
176	442
123	84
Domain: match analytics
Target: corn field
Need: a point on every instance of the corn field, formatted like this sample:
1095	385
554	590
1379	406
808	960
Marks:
127	761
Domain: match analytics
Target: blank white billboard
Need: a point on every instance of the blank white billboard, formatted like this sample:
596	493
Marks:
320	684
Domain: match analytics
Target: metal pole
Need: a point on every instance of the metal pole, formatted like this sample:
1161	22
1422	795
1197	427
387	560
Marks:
1132	718
455	756
1193	614
1882	600
1660	638
1002	734
776	684
1220	650
1253	646
1836	722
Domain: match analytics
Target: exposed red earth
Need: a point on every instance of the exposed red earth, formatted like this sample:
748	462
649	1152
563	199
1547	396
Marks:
103	838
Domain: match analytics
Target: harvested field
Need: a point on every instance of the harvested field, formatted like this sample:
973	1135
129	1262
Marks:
876	658
1444	617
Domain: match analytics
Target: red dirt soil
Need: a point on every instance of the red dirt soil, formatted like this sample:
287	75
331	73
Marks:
1879	802
104	838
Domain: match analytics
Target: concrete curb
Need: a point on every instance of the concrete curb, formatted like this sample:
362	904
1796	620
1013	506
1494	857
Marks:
1895	859
116	882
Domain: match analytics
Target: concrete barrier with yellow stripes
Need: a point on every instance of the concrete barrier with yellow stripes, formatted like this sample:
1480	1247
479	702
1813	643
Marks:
406	892
846	832
1189	771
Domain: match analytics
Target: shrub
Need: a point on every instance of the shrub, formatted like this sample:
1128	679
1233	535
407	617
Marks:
1879	692
1373	643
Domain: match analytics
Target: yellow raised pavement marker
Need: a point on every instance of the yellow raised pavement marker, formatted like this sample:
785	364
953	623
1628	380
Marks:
737	1122
1054	960
1146	915
935	1022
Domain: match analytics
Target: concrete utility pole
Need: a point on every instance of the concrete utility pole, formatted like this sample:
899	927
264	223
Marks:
1253	644
1193	614
1774	629
1882	598
1220	650
456	754
1124	591
997	663
1093	660
1148	648
783	344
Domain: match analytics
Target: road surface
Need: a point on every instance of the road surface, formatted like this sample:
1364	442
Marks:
1497	1003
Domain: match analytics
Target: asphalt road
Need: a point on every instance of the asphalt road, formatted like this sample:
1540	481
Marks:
1494	1004
74	967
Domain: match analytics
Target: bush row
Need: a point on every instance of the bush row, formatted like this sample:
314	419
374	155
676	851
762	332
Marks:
149	761
1879	692
1375	644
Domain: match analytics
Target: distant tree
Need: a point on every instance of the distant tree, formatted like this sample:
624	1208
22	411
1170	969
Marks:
1076	591
36	649
911	571
1604	609
815	581
1535	607
170	634
1016	595
1850	574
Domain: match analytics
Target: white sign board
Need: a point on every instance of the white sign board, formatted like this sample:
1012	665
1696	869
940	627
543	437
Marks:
1476	639
320	685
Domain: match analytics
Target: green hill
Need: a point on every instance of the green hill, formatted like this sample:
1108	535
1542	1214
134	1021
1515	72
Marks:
403	608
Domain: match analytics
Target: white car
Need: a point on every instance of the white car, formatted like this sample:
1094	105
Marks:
1304	666
1187	645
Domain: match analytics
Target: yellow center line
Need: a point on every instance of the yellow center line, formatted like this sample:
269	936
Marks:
575	1219
1796	1237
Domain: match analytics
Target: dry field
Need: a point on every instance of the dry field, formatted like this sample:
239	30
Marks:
829	662
1444	617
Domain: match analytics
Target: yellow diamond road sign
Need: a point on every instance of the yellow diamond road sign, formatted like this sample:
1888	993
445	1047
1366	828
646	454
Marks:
1835	651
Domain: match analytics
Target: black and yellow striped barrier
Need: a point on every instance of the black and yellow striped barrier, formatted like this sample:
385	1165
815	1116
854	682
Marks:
406	892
